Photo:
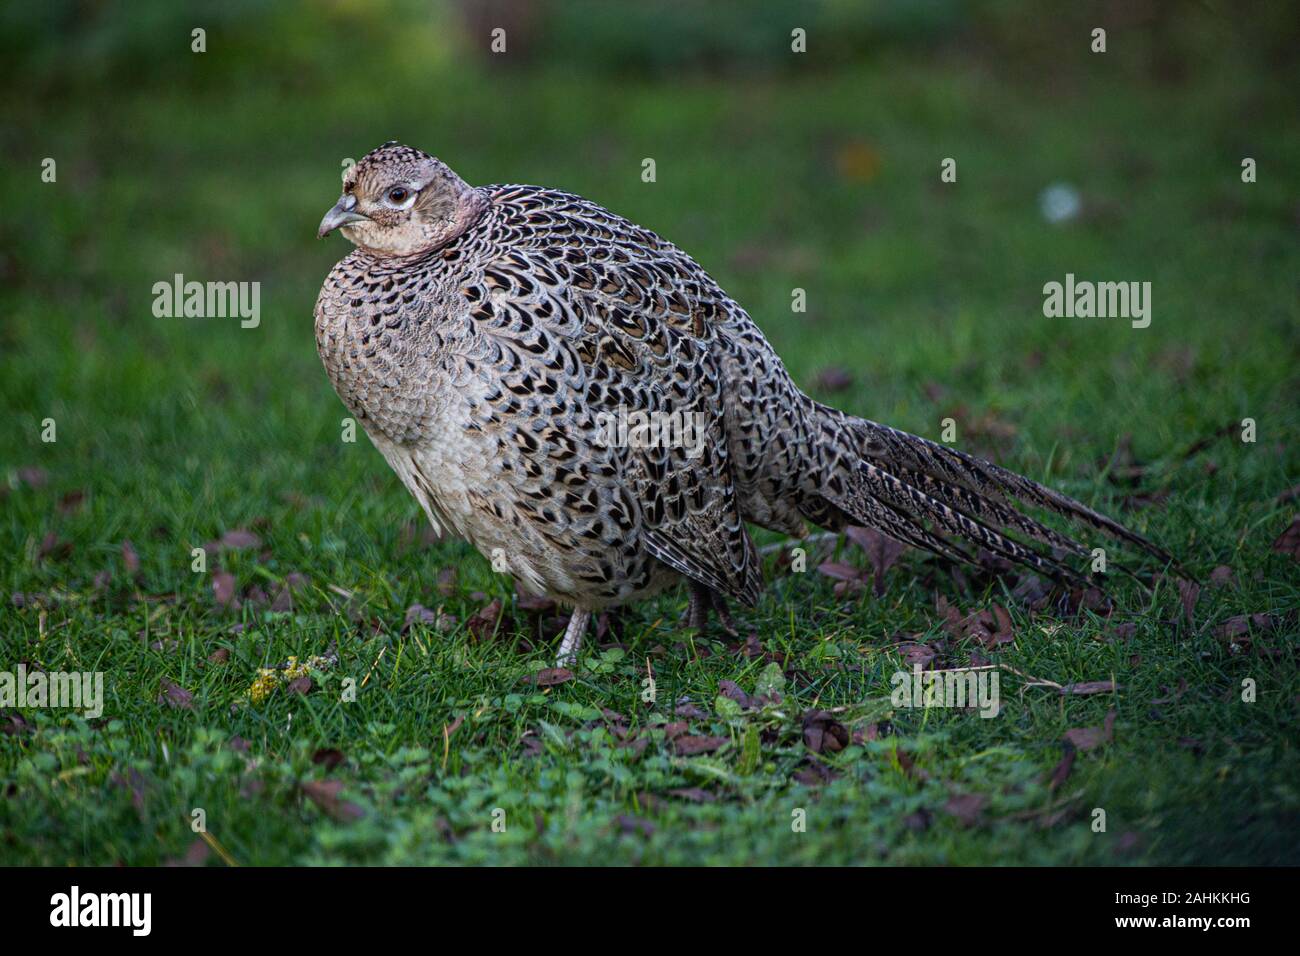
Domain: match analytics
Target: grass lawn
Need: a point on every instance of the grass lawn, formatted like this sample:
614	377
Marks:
172	433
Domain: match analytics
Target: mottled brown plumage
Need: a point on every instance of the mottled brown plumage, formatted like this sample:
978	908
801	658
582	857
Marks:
485	338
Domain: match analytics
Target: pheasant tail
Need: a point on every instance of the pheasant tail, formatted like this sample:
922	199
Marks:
926	494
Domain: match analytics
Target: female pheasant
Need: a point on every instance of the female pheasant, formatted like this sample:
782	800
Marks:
487	337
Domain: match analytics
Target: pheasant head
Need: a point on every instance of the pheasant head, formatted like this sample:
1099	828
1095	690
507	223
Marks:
399	201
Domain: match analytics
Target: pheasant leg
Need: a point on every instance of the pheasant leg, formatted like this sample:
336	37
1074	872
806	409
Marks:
696	617
703	600
724	613
573	638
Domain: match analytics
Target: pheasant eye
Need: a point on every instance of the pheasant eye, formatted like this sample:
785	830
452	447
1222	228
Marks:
398	195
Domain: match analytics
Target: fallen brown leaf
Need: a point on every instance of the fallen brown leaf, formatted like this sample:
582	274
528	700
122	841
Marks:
841	572
991	627
869	732
918	821
549	676
916	654
968	808
54	548
1189	592
1237	630
329	758
909	767
446	582
196	854
814	773
693	794
223	588
174	695
822	733
33	477
882	551
1288	542
1087	738
135	783
1085	688
1172	695
687	744
631	825
130	560
299	685
236	539
676	729
419	614
728	688
637	744
325	794
1062	769
1221	576
483	623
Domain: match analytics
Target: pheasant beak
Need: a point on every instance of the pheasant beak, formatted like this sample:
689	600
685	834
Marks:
342	214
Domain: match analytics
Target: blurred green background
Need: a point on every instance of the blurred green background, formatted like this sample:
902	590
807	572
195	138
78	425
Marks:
776	171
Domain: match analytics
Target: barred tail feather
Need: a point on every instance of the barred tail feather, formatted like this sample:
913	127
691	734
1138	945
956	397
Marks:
987	480
900	483
874	481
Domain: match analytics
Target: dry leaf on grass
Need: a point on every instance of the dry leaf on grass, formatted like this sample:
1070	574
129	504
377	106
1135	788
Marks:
325	794
130	560
33	477
1084	688
223	589
822	733
968	808
236	539
991	627
484	622
1189	592
1237	631
685	745
730	689
53	548
850	580
327	757
174	695
882	551
1088	738
1062	769
1288	542
549	676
